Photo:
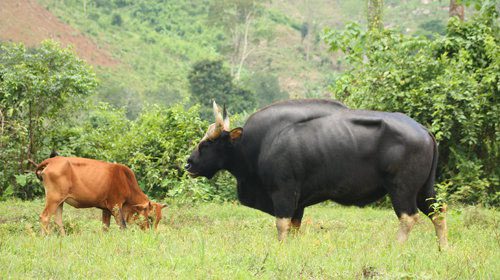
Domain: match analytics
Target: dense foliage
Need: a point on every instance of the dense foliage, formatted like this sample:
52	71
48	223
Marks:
156	42
155	146
450	84
210	80
37	86
43	106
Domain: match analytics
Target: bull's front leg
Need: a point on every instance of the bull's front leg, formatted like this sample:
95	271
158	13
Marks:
297	220
284	209
283	225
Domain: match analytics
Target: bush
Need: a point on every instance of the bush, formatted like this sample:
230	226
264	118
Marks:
117	20
449	85
211	80
155	146
38	87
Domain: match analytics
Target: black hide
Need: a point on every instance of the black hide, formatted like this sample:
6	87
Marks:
297	153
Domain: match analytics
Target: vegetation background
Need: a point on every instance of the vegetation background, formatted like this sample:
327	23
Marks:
145	102
131	82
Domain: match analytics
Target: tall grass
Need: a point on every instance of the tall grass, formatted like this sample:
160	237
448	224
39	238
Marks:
230	241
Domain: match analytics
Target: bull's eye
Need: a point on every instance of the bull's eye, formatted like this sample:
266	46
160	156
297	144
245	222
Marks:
205	144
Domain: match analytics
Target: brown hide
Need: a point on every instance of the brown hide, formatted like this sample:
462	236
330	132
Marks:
85	183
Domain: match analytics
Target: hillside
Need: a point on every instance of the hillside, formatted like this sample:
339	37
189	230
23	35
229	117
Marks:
28	22
144	50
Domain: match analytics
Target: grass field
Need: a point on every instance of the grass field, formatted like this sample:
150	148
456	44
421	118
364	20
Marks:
230	241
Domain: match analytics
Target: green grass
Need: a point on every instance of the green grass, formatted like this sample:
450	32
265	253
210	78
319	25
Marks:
231	241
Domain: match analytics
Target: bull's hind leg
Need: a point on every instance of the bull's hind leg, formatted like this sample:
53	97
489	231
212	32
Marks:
405	207
406	223
425	200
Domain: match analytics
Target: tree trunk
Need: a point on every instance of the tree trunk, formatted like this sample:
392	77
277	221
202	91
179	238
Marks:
245	52
457	10
30	131
374	14
2	125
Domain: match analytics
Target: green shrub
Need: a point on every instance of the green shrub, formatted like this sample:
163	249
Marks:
38	87
450	85
155	146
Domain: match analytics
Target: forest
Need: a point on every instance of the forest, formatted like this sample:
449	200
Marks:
444	76
132	82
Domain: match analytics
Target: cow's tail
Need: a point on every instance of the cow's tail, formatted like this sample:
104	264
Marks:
39	169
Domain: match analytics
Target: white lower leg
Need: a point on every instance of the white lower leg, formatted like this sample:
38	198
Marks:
439	221
406	223
283	226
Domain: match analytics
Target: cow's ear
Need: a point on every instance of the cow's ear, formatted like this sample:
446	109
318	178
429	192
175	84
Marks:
235	134
140	207
163	205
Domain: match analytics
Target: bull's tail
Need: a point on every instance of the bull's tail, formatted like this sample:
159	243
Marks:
429	184
427	195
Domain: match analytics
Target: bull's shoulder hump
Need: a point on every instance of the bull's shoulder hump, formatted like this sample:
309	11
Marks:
304	102
297	104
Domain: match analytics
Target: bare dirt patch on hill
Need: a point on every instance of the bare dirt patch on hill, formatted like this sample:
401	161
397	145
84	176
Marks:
28	22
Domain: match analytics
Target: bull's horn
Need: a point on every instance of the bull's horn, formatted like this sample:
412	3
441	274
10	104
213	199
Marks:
218	117
226	118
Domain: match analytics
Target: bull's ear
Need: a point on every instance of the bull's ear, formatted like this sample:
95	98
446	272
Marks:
235	133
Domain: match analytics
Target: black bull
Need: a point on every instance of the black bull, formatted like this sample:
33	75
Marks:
298	153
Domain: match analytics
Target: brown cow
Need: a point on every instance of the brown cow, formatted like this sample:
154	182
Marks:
84	183
132	215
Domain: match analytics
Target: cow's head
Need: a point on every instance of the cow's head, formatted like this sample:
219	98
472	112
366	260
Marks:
155	213
146	214
214	149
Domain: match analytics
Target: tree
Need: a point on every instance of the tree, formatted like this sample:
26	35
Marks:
236	17
457	9
35	86
211	80
448	84
117	20
374	14
267	89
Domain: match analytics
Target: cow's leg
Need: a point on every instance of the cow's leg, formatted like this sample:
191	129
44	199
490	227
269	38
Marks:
425	199
58	218
51	206
297	219
119	218
106	218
